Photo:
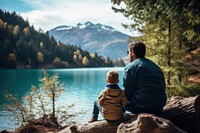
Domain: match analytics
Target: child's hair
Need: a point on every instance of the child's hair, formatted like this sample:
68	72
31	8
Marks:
112	76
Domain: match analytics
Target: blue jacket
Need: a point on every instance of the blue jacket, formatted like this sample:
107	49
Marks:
144	86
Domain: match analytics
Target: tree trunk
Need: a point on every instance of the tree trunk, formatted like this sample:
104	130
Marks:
169	54
183	112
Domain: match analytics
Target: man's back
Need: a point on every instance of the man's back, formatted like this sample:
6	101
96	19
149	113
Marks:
144	86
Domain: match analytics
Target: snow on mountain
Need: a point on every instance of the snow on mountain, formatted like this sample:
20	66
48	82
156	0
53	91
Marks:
60	28
99	38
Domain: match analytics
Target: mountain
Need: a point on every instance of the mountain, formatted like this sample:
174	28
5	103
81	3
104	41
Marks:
21	46
102	39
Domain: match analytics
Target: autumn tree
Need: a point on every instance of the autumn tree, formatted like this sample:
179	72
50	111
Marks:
85	61
16	30
11	60
53	88
40	57
26	31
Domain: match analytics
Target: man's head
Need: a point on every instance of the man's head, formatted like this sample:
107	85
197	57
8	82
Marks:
112	77
136	50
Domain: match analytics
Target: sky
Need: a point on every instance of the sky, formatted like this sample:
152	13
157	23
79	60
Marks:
48	14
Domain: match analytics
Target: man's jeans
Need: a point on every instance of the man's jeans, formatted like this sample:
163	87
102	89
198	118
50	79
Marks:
96	109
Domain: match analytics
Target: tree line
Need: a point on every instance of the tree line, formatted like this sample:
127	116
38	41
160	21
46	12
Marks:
21	46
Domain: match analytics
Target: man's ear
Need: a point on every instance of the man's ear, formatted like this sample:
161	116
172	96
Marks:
133	55
107	81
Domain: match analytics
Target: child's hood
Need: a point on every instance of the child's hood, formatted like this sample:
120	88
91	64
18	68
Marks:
113	90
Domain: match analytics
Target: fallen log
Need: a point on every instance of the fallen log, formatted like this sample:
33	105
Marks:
184	113
179	115
98	126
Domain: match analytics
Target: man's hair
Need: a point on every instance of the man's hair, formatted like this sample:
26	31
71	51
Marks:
139	48
112	76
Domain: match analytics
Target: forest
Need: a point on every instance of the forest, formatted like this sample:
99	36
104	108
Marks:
171	31
21	46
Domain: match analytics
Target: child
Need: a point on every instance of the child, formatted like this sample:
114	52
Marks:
111	100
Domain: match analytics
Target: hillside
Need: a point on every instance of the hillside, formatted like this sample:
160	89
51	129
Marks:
102	39
21	46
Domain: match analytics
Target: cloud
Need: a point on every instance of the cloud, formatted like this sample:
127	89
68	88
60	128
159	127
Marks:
48	14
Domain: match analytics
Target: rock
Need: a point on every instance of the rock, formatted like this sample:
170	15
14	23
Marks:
148	123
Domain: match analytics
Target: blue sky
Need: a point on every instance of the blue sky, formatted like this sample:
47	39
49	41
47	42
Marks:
47	14
15	5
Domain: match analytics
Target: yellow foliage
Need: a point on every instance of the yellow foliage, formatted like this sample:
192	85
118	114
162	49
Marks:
75	58
41	45
26	31
1	22
12	57
40	57
65	63
92	55
77	52
16	30
80	58
56	61
85	61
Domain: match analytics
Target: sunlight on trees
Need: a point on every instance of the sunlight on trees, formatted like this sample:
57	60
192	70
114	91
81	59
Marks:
77	52
85	61
56	61
40	57
92	55
41	45
1	22
12	60
12	57
169	28
75	58
16	30
26	31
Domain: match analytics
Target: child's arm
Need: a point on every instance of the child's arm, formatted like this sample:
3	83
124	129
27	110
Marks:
101	97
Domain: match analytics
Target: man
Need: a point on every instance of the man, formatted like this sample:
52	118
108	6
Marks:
143	81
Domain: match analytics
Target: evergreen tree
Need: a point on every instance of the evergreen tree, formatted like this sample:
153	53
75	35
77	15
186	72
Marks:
168	28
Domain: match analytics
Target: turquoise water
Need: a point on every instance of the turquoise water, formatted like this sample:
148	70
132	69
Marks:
82	87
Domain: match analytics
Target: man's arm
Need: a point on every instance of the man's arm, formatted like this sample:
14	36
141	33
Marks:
124	99
128	83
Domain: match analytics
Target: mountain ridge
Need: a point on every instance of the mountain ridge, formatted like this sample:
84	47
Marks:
97	38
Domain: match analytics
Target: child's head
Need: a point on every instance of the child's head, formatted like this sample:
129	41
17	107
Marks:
112	77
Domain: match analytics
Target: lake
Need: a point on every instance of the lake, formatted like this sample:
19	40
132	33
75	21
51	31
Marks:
82	86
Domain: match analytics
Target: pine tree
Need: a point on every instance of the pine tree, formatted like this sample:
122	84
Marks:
167	27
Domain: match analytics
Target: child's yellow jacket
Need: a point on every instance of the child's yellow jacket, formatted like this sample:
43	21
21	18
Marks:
112	101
